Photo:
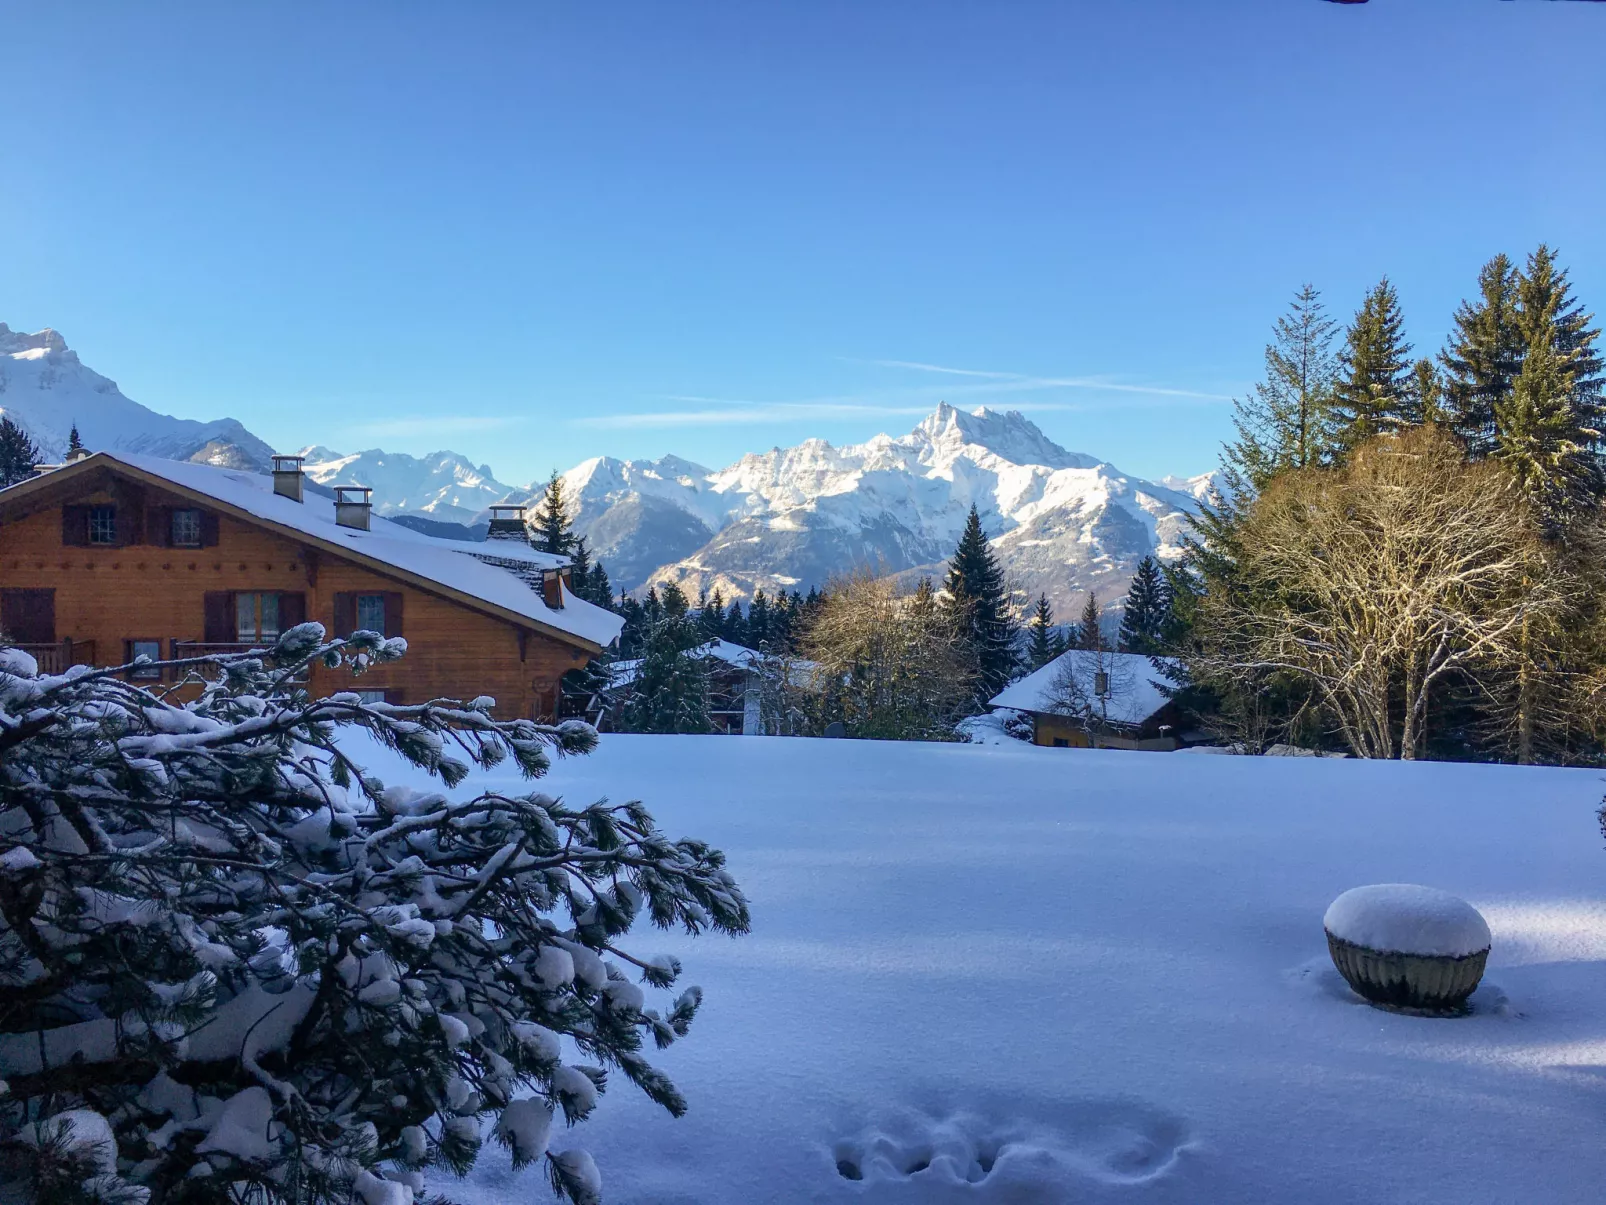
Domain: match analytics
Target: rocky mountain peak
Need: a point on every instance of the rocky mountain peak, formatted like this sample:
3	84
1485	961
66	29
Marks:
17	343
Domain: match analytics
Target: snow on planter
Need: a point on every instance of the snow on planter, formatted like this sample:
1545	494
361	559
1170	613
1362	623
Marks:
1408	946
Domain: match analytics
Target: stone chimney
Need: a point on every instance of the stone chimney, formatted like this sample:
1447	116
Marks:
507	523
287	477
353	505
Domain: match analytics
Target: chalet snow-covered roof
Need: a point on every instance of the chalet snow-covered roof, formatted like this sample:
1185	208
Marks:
453	564
1134	697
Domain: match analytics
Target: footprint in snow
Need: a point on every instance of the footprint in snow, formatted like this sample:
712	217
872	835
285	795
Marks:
1109	1142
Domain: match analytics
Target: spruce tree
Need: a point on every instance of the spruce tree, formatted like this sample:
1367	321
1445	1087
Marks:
1427	388
1144	618
1373	394
1284	423
1547	310
1539	437
18	454
1090	631
553	526
1040	634
711	615
735	625
979	602
601	591
1483	357
758	621
75	446
239	967
670	690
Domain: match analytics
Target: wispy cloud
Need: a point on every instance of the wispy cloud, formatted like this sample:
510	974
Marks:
436	424
700	410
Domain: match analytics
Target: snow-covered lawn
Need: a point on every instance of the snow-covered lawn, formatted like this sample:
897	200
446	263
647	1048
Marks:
996	974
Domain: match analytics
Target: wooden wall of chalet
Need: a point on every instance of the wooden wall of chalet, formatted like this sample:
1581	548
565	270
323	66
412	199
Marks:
111	595
1061	731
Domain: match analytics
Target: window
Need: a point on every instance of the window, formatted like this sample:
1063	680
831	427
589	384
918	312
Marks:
145	648
371	696
186	529
371	613
1061	743
103	525
256	617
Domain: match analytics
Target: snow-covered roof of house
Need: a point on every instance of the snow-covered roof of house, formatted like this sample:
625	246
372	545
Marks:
454	565
1133	698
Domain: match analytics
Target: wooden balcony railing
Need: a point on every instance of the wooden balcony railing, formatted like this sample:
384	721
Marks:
54	658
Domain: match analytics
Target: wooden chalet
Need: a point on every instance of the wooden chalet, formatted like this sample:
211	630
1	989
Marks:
1089	698
114	555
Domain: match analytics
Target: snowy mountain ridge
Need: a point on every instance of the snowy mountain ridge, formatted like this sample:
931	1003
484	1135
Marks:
45	389
1063	522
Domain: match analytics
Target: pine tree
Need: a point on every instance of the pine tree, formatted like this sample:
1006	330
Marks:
1040	634
711	615
241	935
554	530
1483	357
758	621
1427	390
670	690
635	626
1547	310
18	454
1090	630
1144	618
979	603
1539	438
1285	423
735	625
75	446
1373	394
601	591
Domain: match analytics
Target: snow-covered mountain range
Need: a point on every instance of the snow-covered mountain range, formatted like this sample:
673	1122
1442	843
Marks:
1062	522
45	389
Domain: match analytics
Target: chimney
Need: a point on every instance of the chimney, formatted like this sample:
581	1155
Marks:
552	588
353	505
507	523
287	477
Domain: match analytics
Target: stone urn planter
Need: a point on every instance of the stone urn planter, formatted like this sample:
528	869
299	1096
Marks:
1404	946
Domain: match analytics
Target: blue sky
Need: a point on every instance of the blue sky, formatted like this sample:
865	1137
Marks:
534	233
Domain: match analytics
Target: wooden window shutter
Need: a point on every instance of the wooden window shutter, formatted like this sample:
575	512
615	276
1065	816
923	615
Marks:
345	614
75	526
393	613
208	529
159	526
220	626
393	697
292	610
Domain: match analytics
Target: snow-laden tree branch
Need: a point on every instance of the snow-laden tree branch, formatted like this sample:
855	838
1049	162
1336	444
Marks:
234	965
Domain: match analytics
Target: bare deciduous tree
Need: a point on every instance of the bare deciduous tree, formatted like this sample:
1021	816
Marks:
891	663
1375	581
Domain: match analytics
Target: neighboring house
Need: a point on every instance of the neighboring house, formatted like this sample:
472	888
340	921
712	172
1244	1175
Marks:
1091	698
115	555
735	687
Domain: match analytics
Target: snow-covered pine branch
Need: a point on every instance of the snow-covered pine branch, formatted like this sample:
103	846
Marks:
235	965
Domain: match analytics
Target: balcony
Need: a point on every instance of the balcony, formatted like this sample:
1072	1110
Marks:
57	657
